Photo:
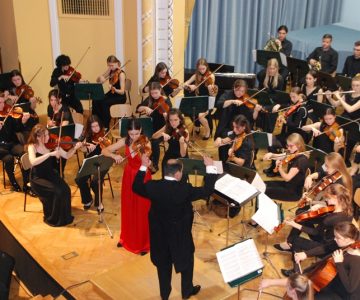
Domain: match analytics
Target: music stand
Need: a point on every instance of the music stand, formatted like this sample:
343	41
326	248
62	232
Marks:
326	81
261	140
223	69
24	106
197	168
146	125
263	98
298	68
317	156
67	130
89	91
344	82
92	166
262	57
5	81
282	98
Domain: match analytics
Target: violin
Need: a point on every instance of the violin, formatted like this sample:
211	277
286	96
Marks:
309	215
25	91
333	131
292	109
5	111
161	105
18	113
114	78
100	139
168	81
325	270
288	158
74	76
179	132
142	145
66	142
320	186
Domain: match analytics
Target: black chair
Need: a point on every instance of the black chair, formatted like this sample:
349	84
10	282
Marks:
7	264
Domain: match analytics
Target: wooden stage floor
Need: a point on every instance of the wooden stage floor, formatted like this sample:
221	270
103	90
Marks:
83	251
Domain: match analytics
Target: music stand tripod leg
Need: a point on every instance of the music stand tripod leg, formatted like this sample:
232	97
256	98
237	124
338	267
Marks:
100	211
266	256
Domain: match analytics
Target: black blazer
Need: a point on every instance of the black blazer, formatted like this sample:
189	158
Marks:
171	217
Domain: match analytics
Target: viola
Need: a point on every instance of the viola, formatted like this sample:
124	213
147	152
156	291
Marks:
24	91
179	132
100	139
66	142
161	105
288	158
141	145
320	186
74	76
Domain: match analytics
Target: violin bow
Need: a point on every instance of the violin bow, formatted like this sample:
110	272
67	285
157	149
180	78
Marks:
207	77
80	60
58	146
170	79
22	92
112	127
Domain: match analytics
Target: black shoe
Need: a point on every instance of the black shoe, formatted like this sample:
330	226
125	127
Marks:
287	273
119	245
272	174
268	170
196	289
29	191
154	169
88	205
15	186
278	247
254	225
205	138
143	253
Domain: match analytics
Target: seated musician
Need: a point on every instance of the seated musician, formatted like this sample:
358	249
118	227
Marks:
311	91
116	93
271	78
351	104
64	77
239	146
290	189
325	55
327	136
352	62
161	74
176	135
202	83
156	106
19	88
56	109
321	238
95	141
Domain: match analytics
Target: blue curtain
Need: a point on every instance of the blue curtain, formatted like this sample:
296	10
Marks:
226	31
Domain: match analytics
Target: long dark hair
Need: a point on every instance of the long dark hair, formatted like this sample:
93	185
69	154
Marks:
14	73
159	67
174	111
154	86
133	124
88	132
56	93
240	120
347	230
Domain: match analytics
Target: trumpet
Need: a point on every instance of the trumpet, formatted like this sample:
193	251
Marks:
332	93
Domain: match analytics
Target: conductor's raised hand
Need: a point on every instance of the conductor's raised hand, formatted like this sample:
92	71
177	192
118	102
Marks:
145	160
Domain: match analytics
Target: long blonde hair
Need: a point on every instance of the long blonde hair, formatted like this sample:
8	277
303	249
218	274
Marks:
302	286
272	63
343	196
297	140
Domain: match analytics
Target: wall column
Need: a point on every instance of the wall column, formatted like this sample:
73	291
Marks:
147	22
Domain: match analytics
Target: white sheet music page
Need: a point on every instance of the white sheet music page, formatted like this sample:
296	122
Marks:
235	188
239	260
267	215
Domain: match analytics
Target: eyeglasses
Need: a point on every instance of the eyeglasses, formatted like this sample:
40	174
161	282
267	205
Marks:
290	145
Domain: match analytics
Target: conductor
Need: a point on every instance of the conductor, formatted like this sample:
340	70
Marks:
170	221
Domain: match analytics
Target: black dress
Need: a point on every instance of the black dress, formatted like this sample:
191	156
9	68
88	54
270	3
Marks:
53	191
173	152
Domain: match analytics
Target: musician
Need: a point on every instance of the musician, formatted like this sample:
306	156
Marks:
161	74
351	105
298	287
18	85
53	191
271	78
65	77
321	240
352	62
56	109
207	88
170	218
116	93
326	135
326	55
346	284
239	146
134	235
309	89
176	135
153	107
94	138
290	188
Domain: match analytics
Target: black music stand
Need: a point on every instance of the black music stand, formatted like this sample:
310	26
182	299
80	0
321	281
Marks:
67	130
224	68
298	68
319	108
344	82
197	168
326	81
353	128
95	165
280	97
262	57
261	140
89	91
316	158
263	98
5	82
146	125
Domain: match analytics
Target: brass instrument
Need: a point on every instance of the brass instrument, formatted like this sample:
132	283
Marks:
317	66
271	45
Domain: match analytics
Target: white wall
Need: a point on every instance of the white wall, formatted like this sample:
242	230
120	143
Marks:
350	14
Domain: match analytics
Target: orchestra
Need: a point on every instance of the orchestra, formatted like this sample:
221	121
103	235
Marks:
321	190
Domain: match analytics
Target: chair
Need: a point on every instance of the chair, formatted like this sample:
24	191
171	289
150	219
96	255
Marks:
7	264
118	111
26	165
141	93
128	88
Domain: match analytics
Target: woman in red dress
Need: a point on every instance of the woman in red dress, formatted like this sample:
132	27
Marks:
134	235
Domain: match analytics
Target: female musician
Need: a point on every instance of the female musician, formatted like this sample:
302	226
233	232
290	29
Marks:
326	135
208	88
116	94
271	79
134	235
241	147
95	141
155	106
346	284
53	191
309	89
162	75
298	287
56	109
321	240
290	189
19	88
65	77
351	105
175	134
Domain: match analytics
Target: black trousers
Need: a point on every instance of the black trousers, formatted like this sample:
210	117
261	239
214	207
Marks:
73	102
7	155
83	184
164	275
279	190
155	149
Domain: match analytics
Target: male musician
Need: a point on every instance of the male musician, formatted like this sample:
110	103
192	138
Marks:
170	221
61	77
285	45
352	62
326	55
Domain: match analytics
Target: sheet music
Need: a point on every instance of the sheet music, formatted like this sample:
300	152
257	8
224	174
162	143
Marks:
283	59
239	260
270	138
219	166
179	98
267	215
235	188
78	130
211	102
258	183
178	101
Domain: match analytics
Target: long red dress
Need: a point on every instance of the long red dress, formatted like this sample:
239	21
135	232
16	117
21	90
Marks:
134	235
